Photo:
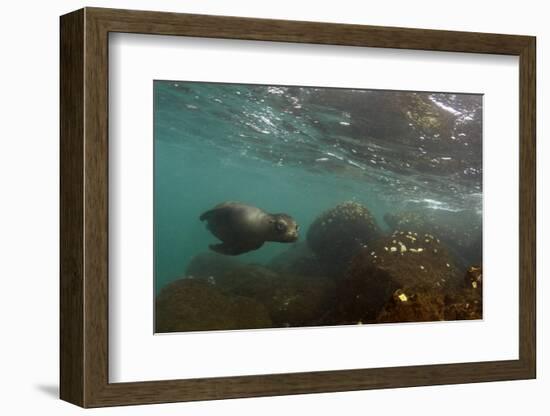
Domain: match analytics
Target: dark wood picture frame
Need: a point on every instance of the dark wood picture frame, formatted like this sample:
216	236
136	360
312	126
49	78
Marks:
84	207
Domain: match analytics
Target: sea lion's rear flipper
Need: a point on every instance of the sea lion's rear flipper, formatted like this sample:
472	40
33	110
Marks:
233	249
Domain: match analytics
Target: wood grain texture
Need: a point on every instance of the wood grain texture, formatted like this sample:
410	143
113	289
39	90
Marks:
162	23
84	207
96	209
72	215
527	208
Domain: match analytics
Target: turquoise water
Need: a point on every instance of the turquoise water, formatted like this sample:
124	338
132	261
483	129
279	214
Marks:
302	151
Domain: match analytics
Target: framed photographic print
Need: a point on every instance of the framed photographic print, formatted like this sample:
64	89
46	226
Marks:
255	207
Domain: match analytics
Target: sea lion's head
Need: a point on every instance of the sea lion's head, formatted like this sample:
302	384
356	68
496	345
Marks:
283	228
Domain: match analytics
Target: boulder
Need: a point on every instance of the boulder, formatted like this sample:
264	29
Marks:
298	259
291	300
467	302
340	233
460	231
413	305
197	305
415	264
210	265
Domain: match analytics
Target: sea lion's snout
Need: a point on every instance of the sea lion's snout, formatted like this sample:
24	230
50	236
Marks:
286	228
291	236
294	236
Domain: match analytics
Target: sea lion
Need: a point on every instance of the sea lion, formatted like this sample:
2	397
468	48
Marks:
243	228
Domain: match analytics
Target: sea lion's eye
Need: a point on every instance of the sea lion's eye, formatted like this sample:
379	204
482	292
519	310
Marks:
280	226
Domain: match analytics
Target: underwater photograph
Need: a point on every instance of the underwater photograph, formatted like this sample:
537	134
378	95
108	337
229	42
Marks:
302	206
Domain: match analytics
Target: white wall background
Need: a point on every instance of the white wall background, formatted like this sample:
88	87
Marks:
29	171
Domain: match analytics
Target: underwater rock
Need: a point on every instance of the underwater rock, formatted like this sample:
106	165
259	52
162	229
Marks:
460	231
413	305
300	301
467	306
340	233
253	281
411	259
473	279
291	300
416	264
360	295
211	265
297	260
197	305
473	249
468	302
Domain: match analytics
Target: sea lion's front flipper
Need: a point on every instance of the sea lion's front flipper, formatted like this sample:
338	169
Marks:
207	215
232	249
